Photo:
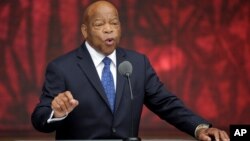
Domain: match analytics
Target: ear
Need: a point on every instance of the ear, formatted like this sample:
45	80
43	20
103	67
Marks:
84	31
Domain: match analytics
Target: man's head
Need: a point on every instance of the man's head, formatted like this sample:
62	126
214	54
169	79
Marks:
101	26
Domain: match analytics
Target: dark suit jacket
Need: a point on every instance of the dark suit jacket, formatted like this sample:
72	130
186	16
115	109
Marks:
92	118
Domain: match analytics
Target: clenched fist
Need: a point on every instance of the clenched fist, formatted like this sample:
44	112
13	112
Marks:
63	104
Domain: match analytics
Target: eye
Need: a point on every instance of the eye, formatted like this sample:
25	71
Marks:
98	24
115	22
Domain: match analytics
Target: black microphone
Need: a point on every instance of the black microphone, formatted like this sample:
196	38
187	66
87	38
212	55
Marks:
125	68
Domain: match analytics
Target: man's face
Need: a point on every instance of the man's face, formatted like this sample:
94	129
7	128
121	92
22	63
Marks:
102	29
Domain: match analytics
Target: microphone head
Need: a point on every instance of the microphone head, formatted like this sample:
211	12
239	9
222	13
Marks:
125	68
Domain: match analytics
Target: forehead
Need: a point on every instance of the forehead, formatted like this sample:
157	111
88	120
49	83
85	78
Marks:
102	11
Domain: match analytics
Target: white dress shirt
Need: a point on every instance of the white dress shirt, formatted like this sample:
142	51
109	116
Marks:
97	58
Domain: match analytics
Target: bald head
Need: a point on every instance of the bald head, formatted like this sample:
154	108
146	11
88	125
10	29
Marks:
95	7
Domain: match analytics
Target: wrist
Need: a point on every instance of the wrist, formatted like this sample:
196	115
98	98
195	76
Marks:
199	128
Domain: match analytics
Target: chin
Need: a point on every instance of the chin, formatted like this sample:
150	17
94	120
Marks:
108	52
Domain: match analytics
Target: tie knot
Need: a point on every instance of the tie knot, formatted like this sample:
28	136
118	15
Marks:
106	61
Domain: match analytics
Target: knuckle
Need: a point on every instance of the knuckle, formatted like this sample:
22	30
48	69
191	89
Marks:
67	92
58	107
61	103
65	99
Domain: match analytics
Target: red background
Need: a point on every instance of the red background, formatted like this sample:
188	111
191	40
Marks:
199	48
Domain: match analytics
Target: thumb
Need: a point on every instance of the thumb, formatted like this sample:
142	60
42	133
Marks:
74	103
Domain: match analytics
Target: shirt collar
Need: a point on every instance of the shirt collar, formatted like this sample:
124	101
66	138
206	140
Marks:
97	57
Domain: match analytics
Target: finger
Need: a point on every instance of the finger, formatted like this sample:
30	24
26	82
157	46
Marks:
55	106
58	112
72	101
61	104
65	100
224	136
73	104
68	95
204	137
214	133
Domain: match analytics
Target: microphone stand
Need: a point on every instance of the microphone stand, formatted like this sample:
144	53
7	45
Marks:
132	138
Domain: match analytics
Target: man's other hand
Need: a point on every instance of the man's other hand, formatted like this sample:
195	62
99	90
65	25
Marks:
212	134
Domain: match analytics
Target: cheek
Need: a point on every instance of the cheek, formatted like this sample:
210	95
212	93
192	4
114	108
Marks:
96	36
118	32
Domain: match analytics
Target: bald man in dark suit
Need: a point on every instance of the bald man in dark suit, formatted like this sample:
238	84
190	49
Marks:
76	104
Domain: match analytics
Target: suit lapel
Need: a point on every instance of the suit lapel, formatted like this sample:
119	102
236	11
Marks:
120	57
87	66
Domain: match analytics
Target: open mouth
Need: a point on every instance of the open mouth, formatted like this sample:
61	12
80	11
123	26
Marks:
109	41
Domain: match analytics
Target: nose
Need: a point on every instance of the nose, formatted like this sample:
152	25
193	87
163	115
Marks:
107	28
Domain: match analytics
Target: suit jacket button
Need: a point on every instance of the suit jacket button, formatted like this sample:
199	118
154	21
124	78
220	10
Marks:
113	130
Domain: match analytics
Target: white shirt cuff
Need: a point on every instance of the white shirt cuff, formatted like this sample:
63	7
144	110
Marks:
200	126
51	119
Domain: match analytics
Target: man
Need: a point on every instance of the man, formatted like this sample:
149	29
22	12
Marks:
84	97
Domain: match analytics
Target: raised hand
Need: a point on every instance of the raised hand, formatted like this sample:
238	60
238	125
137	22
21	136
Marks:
63	104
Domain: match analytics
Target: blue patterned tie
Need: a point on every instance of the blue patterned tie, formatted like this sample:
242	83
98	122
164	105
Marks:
108	82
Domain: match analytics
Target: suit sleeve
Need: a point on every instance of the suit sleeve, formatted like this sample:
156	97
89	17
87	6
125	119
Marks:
166	105
54	84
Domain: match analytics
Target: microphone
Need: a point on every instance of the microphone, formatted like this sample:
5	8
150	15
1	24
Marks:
125	68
